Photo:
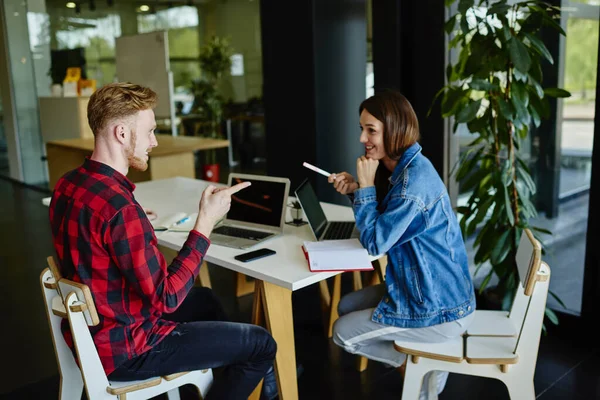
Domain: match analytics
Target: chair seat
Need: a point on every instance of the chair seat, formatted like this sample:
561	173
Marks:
118	388
491	350
174	376
491	323
451	350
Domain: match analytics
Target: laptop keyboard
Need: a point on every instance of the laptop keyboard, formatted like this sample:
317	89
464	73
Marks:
241	233
339	230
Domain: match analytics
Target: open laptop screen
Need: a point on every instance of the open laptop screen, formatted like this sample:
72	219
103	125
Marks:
312	208
261	203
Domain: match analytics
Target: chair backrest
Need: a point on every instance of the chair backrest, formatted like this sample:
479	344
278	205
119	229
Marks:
531	329
55	312
93	373
66	286
528	259
85	295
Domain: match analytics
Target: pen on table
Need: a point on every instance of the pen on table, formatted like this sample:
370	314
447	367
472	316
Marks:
319	170
182	220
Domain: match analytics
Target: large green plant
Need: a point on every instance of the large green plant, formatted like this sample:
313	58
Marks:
496	88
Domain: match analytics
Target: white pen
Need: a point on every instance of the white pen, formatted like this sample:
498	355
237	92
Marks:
319	170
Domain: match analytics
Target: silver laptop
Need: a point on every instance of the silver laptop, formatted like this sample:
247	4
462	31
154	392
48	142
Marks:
257	213
322	228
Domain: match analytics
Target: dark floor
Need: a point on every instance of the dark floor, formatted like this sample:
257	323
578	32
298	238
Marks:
567	368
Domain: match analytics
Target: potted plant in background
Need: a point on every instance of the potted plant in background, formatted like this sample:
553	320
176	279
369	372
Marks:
496	89
215	60
296	211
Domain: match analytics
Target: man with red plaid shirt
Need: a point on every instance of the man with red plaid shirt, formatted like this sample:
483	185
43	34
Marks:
153	321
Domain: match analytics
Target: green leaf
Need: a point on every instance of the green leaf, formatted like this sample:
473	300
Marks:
520	76
451	100
501	248
449	25
485	282
468	165
519	90
541	230
463	210
540	47
498	8
539	107
524	175
535	116
519	106
507	33
464	5
472	180
549	21
448	3
506	109
469	112
551	315
507	205
482	84
555	296
519	55
556	92
537	87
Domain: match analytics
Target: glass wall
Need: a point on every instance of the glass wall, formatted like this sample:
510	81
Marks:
94	29
566	249
23	139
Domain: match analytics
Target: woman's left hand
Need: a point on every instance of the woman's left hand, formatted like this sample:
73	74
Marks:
365	170
150	214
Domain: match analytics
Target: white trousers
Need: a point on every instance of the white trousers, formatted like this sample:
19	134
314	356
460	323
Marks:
356	333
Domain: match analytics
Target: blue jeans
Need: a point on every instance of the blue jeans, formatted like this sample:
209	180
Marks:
205	339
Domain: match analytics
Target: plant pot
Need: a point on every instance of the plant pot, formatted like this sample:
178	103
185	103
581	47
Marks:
296	215
210	172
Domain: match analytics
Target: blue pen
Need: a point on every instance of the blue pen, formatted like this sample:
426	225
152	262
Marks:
181	221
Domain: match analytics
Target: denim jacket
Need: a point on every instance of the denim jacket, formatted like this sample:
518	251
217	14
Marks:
427	279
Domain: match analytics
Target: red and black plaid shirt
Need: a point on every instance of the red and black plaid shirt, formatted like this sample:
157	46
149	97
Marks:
103	239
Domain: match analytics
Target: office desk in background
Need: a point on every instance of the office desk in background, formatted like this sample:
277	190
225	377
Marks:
276	276
174	156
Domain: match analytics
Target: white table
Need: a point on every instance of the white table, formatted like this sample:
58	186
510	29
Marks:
276	276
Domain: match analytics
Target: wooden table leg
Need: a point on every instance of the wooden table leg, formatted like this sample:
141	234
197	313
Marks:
242	285
204	276
280	322
335	300
258	318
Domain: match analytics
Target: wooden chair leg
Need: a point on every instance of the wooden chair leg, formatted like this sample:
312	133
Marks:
243	286
204	276
361	363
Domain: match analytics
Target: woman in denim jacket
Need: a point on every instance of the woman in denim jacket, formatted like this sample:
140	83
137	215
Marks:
402	209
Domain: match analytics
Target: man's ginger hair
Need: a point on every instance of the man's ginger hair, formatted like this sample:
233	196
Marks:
118	101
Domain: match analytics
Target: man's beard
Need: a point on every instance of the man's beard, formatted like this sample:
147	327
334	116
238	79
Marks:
137	163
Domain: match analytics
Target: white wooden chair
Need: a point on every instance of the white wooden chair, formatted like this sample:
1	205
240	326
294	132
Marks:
507	323
78	307
494	353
